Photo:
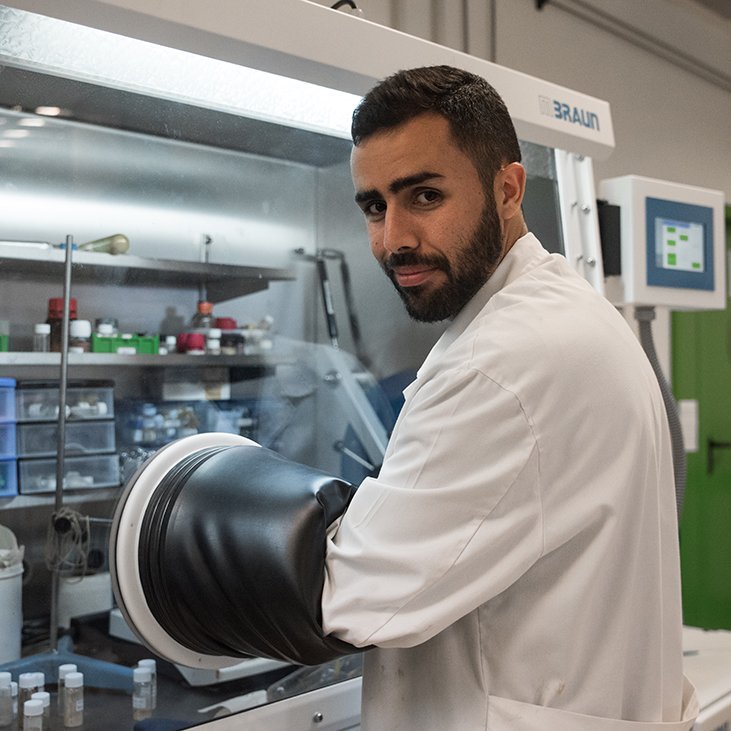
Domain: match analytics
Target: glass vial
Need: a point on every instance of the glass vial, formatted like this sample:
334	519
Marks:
41	337
213	341
45	698
27	685
142	693
14	694
73	705
33	715
63	671
152	665
6	700
106	327
203	317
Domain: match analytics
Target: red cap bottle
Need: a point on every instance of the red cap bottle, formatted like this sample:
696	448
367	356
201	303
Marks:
55	320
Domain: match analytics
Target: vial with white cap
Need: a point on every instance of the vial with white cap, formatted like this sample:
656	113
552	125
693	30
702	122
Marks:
33	715
41	337
45	698
142	693
152	664
73	707
6	700
79	336
63	671
27	685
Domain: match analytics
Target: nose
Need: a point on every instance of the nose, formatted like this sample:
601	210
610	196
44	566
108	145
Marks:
398	232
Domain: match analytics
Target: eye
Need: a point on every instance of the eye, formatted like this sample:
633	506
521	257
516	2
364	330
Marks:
427	197
373	209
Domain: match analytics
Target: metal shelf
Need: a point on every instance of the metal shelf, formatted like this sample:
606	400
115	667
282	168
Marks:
19	358
222	281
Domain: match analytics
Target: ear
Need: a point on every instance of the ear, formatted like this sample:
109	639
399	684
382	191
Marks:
509	190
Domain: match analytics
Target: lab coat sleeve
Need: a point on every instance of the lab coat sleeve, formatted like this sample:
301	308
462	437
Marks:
452	520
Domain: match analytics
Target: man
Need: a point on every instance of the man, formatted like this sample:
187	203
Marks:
515	562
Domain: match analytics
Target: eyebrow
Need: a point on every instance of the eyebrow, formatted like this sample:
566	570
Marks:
397	185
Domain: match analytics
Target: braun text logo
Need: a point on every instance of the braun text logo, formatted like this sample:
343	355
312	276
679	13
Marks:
567	113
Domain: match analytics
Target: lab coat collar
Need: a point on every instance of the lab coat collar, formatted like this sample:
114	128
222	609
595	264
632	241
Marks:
521	255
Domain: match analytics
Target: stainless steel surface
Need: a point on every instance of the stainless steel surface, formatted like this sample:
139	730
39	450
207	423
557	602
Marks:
223	281
154	86
108	360
167	196
339	706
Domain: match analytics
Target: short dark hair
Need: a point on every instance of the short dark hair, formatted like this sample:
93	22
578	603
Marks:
478	118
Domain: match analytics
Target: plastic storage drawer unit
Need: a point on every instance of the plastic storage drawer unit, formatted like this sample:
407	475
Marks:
80	473
8	478
38	400
7	400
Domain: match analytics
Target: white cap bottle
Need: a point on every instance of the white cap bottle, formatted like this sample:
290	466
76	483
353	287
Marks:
63	671
141	693
152	665
73	711
45	698
33	715
27	685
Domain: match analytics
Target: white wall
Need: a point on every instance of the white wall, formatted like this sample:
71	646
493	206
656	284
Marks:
670	123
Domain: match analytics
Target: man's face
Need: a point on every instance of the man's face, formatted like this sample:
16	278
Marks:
431	225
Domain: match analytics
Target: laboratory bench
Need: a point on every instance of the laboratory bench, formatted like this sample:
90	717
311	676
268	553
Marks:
179	704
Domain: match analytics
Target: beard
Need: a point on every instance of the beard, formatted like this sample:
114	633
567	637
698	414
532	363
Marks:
475	259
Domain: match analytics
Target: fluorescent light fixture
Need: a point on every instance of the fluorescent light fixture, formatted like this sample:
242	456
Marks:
16	134
52	46
31	121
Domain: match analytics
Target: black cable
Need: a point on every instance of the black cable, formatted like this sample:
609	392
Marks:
645	316
340	3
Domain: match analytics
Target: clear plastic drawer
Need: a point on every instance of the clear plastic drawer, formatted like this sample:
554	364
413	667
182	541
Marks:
80	473
82	437
7	399
39	401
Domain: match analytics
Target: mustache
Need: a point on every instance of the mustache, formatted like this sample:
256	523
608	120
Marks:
410	258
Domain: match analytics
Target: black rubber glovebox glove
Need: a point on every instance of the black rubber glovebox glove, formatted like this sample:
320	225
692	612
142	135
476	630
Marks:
232	554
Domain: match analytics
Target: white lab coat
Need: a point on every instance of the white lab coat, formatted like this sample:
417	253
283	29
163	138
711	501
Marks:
515	563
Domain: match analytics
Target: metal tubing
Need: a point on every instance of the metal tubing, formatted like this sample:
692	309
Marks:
61	445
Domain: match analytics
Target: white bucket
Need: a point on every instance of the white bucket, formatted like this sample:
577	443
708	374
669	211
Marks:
11	612
86	596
